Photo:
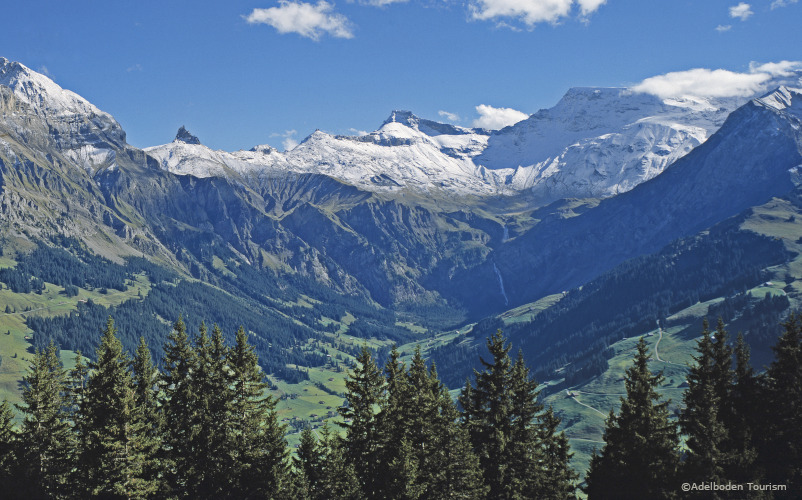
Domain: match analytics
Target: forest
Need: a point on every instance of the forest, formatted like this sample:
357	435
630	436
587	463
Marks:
203	426
627	300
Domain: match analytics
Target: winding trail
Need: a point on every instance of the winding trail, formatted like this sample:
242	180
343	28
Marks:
588	406
656	353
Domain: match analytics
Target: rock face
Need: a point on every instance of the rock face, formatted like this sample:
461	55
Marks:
184	136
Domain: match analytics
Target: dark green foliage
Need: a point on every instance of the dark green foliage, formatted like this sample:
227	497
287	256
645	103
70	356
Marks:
365	386
9	450
115	451
560	477
515	439
424	452
641	454
702	418
180	411
46	440
324	471
146	392
67	265
626	301
781	438
261	461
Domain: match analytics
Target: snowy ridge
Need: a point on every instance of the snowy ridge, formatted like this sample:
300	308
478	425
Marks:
595	142
84	131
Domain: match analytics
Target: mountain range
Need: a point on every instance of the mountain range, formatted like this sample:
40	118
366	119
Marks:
423	223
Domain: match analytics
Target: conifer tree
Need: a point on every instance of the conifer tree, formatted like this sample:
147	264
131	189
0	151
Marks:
459	474
9	450
77	381
260	465
526	478
365	388
392	422
146	394
336	475
179	410
212	440
487	416
639	459
502	415
781	450
307	465
701	419
559	481
46	441
115	453
744	424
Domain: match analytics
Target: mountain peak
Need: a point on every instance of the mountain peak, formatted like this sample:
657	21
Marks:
186	137
404	117
781	99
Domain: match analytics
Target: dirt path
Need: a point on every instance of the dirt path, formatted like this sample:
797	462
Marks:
588	406
656	353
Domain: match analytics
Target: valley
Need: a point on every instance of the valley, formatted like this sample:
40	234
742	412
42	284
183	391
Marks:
611	216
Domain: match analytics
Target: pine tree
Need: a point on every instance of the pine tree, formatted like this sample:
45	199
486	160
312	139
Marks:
365	387
392	422
180	411
307	465
337	477
459	473
146	394
559	478
526	478
46	441
116	450
9	450
487	416
701	419
260	465
640	457
744	424
212	440
781	449
77	381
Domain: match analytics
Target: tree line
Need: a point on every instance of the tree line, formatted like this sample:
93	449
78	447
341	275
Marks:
204	427
742	430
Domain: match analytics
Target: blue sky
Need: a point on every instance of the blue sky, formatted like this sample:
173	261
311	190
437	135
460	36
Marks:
239	73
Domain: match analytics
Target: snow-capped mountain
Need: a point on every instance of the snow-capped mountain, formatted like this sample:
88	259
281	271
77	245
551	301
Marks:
80	130
596	142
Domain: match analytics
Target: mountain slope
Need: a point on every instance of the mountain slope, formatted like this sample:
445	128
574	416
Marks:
750	159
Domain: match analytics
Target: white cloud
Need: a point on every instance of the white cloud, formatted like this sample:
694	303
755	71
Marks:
497	118
722	28
289	141
381	3
741	11
590	6
702	82
310	21
135	67
781	3
43	70
531	12
782	68
356	131
452	117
